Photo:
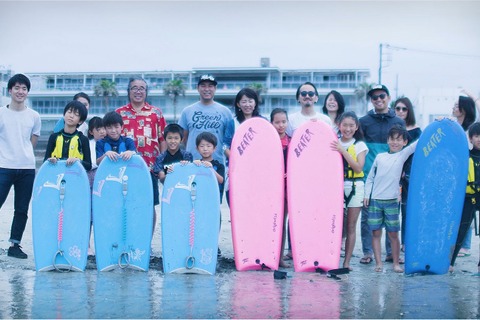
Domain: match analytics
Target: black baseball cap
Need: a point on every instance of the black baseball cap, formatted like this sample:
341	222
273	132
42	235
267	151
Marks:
207	77
378	87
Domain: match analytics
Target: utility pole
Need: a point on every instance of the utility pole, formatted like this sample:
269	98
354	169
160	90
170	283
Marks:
380	65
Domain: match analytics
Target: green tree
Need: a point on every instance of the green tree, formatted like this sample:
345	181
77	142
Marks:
259	89
174	88
106	89
361	94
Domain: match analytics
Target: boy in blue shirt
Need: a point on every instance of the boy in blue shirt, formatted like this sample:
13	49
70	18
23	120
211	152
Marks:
114	145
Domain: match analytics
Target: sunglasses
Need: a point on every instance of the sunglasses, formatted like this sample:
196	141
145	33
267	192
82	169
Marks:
381	96
404	109
309	93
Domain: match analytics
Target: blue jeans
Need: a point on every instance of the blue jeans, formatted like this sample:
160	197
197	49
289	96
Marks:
366	234
22	182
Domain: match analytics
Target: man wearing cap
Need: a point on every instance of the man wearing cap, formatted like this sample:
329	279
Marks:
205	115
375	126
307	96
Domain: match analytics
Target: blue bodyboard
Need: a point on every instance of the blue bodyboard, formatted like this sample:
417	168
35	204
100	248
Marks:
61	214
435	197
190	220
122	214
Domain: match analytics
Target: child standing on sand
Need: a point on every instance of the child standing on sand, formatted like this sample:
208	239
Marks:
382	192
353	151
173	134
206	145
279	119
472	197
96	131
114	145
70	144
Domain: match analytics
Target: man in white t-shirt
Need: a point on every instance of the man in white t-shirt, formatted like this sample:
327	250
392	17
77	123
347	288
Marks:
19	131
307	96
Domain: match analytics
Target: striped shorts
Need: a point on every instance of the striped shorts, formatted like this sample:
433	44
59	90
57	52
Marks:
384	213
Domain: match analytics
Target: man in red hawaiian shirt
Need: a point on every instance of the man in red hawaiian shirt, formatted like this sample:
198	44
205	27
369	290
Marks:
144	123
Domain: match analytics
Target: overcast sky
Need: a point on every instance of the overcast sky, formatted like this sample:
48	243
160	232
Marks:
442	38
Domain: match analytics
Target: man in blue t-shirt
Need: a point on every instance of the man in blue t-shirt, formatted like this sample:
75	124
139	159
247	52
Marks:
205	115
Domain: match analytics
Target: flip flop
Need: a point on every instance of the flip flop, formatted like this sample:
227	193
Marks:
366	260
390	260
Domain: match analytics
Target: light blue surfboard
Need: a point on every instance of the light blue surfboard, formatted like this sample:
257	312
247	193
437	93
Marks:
190	220
435	197
61	217
122	214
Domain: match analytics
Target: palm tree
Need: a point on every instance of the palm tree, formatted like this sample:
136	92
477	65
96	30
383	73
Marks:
259	89
174	88
105	89
361	94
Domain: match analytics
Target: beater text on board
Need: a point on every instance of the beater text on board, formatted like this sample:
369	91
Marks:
303	144
247	138
435	139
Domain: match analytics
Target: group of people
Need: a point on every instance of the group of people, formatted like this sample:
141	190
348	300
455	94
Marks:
376	148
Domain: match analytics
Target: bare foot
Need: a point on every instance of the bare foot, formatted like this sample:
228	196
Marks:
397	269
379	268
450	269
347	266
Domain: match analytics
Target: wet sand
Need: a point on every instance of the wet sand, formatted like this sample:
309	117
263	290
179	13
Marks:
25	293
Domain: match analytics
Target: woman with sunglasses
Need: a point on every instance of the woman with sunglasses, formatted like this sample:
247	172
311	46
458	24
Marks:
404	109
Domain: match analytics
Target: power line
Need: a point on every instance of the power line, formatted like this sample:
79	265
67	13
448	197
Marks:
451	54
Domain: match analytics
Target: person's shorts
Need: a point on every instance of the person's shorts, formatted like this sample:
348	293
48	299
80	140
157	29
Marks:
156	198
384	213
357	199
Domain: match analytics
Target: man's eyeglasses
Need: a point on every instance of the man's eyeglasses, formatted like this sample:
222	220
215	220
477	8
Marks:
404	109
309	93
138	89
381	96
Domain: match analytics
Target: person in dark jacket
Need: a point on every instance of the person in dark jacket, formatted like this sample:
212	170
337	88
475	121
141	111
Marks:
375	126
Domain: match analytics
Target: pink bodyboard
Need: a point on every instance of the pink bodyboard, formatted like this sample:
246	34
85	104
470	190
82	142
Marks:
315	197
257	187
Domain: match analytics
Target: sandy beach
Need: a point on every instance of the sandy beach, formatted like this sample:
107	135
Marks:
363	293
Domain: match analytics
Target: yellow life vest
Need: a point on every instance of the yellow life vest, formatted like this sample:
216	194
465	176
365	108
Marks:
472	185
73	148
348	171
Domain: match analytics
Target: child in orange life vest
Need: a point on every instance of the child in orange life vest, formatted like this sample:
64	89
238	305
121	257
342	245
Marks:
279	119
114	145
353	151
70	144
472	197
